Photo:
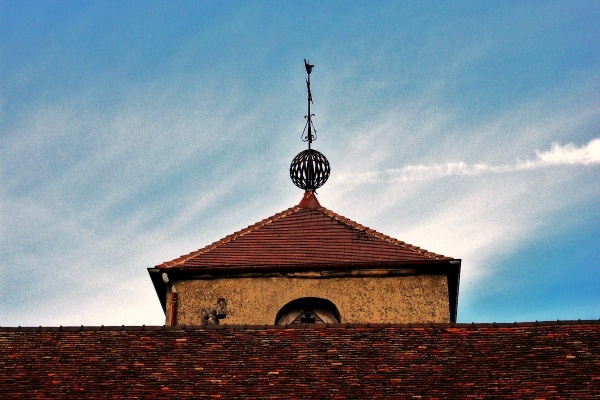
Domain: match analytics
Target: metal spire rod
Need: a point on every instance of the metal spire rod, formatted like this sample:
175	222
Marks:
310	169
312	132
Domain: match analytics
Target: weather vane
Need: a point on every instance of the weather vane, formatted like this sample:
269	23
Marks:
309	169
311	135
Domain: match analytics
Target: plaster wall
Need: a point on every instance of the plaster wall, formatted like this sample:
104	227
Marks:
256	301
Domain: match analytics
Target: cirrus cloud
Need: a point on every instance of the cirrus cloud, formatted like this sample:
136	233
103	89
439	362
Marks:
568	154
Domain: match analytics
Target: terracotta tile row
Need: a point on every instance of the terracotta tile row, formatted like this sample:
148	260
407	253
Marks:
532	360
303	236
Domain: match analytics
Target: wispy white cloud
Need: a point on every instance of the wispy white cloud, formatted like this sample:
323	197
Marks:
509	180
568	154
91	197
102	179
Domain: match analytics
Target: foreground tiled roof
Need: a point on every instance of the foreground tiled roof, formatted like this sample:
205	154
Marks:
530	360
307	234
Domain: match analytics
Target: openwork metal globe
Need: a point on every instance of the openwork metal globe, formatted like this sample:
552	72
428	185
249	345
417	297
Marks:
309	170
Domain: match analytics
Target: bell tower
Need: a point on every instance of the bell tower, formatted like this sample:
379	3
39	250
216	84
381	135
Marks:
308	265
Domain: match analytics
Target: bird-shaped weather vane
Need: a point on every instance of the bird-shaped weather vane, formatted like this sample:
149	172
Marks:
309	169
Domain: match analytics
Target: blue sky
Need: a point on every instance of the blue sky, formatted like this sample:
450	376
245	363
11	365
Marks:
134	132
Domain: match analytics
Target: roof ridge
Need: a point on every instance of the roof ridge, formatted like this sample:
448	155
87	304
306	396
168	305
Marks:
379	235
465	325
230	237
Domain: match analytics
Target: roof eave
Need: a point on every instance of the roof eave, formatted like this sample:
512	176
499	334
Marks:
453	288
159	286
242	269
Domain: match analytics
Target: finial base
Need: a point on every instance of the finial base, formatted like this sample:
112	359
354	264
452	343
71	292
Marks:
309	200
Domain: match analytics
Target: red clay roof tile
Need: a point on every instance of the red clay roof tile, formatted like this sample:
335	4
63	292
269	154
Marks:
307	234
544	360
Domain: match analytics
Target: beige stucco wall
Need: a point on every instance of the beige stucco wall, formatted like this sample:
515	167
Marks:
256	301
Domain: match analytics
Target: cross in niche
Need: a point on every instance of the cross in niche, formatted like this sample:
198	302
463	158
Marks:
308	318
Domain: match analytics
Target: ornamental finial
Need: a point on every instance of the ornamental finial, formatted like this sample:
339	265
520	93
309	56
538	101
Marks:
309	169
309	134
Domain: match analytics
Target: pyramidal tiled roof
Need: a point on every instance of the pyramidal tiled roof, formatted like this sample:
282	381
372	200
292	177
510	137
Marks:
307	234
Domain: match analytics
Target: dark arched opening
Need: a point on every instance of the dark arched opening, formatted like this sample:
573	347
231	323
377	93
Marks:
308	310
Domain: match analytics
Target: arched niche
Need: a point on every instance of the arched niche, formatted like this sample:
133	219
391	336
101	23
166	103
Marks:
308	310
